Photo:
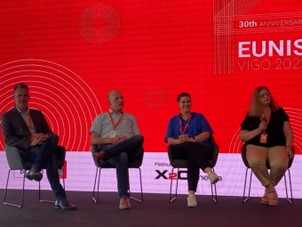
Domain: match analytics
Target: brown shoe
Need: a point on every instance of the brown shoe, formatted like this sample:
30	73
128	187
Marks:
124	204
101	155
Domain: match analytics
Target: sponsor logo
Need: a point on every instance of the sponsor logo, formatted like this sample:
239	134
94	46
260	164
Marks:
181	175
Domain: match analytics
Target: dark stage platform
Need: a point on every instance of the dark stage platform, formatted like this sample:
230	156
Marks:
155	211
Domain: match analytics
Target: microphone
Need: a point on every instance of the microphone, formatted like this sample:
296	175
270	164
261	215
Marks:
263	118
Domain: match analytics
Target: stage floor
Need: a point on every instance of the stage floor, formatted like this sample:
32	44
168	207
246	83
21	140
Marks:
155	211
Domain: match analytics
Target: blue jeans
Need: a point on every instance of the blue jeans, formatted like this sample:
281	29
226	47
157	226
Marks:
119	155
43	157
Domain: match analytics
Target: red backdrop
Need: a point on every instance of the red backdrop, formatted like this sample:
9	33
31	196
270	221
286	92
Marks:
71	53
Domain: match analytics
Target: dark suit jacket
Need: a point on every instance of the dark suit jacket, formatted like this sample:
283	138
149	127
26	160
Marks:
15	130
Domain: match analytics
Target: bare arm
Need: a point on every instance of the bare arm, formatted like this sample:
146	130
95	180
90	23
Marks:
201	137
246	135
171	140
184	138
96	139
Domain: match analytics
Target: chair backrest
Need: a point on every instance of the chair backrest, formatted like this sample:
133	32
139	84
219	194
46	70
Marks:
60	155
94	157
290	162
15	158
176	163
215	152
244	159
243	155
98	162
103	164
181	163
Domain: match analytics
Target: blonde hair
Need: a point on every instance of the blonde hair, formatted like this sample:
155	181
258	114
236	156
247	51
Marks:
256	108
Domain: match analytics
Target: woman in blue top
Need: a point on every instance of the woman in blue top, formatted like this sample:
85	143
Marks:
268	135
188	135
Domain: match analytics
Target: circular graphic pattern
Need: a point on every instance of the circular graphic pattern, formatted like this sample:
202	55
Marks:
295	116
66	100
99	23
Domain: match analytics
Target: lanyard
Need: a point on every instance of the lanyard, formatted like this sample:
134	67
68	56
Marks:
183	130
112	121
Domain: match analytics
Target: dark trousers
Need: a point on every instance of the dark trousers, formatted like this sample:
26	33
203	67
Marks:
44	157
197	157
120	155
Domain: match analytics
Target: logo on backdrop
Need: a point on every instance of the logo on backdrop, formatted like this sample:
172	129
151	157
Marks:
99	23
167	174
249	42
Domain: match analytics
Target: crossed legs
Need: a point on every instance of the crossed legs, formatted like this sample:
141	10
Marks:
120	155
277	158
197	157
44	157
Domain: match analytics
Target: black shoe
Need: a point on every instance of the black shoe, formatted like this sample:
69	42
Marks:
34	174
64	204
28	176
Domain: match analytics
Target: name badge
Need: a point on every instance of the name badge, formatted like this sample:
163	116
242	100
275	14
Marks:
263	138
112	134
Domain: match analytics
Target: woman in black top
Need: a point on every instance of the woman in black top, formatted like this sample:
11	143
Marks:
268	135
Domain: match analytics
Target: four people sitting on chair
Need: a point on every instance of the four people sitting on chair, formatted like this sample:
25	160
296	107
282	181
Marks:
265	130
119	140
28	130
188	133
268	135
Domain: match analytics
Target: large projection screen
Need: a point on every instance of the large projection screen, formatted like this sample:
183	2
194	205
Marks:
72	53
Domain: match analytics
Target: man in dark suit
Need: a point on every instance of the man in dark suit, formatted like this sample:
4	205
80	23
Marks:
28	130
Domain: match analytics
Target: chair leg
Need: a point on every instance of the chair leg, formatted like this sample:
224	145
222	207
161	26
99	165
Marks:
39	194
141	187
289	199
95	192
20	205
248	196
61	173
214	193
173	198
141	182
